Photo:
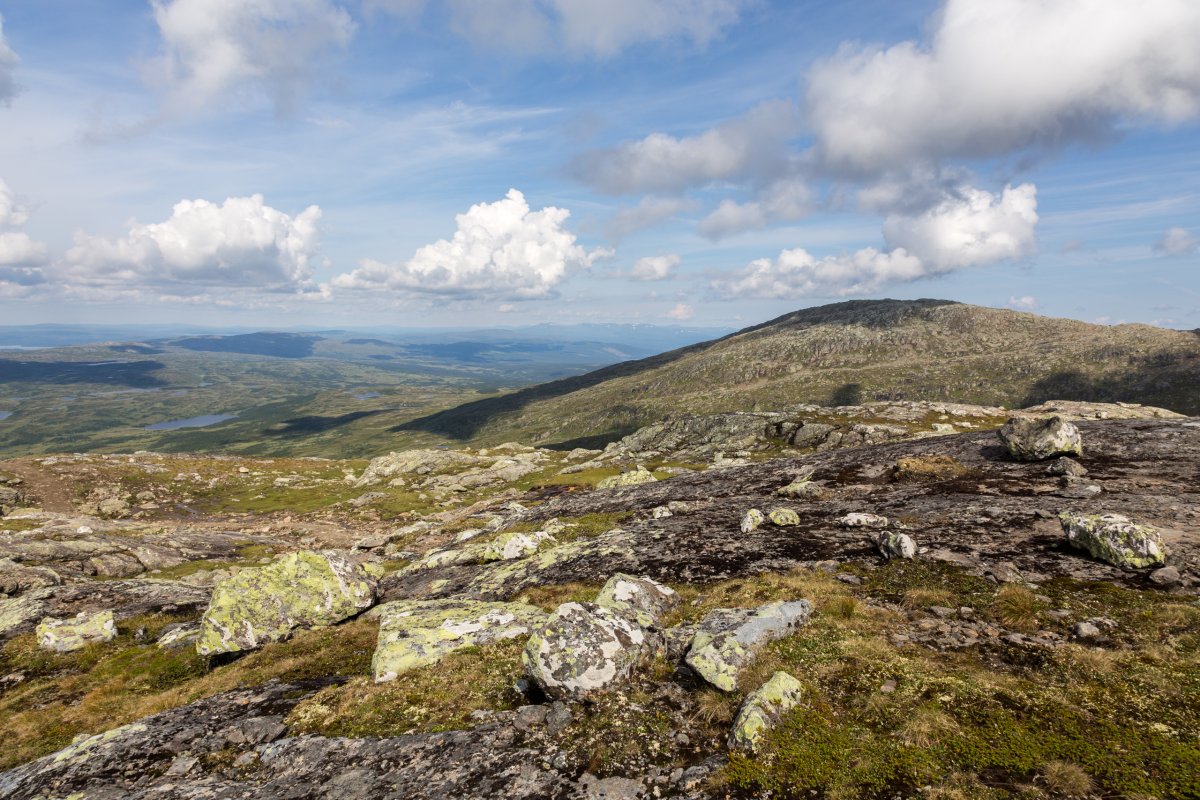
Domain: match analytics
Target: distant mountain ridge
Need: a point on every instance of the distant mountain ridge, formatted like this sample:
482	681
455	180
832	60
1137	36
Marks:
844	354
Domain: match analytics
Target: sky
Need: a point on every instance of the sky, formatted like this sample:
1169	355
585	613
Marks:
309	163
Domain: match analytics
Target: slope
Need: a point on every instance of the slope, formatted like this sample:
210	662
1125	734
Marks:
843	354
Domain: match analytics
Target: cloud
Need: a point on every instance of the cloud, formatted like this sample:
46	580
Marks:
753	145
681	312
276	47
500	249
1024	303
647	213
782	201
655	268
972	228
202	247
580	27
797	273
8	69
13	212
1177	242
997	79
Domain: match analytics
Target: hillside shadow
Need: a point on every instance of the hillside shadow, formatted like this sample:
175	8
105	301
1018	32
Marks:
1172	387
134	374
304	426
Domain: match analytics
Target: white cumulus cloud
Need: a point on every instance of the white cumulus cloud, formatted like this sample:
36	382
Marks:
1024	302
971	228
241	243
500	249
1004	76
22	258
747	146
1177	242
655	268
213	47
8	69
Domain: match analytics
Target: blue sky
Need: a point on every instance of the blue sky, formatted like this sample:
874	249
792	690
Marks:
715	162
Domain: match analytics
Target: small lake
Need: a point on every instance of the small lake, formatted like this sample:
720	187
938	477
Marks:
191	422
5	414
366	395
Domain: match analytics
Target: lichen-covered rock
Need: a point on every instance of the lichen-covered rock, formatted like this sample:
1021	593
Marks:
68	635
418	633
301	590
641	599
1067	467
179	636
763	710
783	517
1115	539
718	658
509	546
859	519
752	520
661	512
16	578
802	489
897	545
633	477
1036	439
582	650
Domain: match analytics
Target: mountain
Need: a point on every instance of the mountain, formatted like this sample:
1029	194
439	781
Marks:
844	354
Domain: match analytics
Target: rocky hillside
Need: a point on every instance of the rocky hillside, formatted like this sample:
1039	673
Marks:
894	600
845	354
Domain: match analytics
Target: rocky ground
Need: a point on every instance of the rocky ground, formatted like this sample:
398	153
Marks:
868	601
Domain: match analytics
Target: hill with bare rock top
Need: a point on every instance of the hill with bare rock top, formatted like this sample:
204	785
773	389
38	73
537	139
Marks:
847	354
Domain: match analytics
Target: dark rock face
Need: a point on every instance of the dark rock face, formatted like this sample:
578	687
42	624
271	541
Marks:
230	746
996	511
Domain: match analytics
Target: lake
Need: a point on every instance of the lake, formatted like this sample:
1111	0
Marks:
191	422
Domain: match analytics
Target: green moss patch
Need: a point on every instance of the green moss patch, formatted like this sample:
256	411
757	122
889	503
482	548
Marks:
436	698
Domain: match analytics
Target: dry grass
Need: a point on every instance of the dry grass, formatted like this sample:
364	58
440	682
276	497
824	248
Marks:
549	598
924	598
928	726
1067	780
1016	607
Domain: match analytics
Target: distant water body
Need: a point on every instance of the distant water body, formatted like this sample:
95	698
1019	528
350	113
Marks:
191	422
5	414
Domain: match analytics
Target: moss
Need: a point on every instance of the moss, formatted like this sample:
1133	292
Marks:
434	698
19	524
103	686
1128	720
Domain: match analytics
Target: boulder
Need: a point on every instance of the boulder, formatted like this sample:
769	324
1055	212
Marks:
301	590
1039	438
752	520
718	657
509	546
633	477
859	519
640	599
1115	539
783	517
763	709
806	490
67	635
582	650
1066	467
896	545
419	633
